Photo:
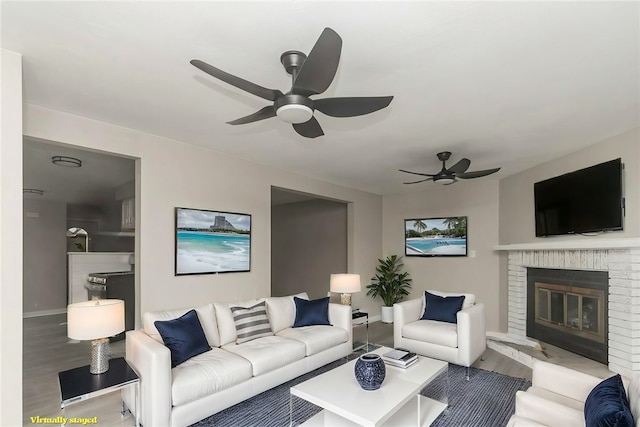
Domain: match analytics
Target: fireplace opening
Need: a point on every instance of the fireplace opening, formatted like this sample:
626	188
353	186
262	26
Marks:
572	309
568	309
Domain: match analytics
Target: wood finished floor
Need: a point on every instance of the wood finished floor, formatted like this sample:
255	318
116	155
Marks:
47	351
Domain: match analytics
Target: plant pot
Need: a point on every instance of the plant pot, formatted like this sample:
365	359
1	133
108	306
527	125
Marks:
386	314
370	371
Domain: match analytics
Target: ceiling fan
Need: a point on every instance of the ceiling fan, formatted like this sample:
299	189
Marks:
310	75
451	175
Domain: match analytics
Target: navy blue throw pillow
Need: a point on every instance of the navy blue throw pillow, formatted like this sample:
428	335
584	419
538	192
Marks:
308	313
607	405
183	336
443	309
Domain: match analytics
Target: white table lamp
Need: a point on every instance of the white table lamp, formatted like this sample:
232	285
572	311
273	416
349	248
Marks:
96	320
345	284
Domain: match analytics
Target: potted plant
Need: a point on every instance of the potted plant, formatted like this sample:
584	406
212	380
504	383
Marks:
389	284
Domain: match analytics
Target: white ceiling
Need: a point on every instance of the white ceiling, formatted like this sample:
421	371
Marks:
506	84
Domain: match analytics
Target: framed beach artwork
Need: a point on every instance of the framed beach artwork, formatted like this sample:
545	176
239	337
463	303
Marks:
209	242
429	237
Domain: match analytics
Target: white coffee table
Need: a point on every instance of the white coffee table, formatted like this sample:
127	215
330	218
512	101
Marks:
396	403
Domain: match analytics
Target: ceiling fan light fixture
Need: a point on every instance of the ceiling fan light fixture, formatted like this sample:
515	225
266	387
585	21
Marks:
444	180
35	191
294	113
450	175
68	162
311	74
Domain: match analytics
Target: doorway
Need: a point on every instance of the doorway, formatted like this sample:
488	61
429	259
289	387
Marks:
308	242
85	190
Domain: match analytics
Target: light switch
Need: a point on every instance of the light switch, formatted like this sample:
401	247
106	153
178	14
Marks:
472	254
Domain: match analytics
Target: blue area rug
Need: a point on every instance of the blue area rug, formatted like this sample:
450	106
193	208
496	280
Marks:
486	400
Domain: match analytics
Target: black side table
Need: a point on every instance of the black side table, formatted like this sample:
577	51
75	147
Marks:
360	318
79	384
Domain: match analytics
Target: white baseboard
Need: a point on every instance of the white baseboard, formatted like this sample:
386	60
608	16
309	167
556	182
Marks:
43	313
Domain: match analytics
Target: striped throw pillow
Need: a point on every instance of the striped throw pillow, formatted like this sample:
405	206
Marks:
251	322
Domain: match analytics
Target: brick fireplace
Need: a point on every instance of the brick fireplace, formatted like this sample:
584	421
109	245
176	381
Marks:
619	259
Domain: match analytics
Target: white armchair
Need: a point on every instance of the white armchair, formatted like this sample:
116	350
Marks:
460	343
557	395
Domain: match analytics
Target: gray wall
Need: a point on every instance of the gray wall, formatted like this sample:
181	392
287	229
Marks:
45	256
159	191
477	273
517	224
308	243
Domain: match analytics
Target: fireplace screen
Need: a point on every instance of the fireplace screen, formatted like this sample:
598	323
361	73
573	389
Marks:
574	310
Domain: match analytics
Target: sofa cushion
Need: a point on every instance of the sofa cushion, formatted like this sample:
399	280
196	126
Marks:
183	336
251	322
443	309
633	393
316	338
546	409
282	311
308	313
206	374
469	299
607	405
557	398
224	319
268	353
432	331
518	421
206	316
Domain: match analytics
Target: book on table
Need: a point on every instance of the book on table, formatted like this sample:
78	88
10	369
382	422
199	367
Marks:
400	364
399	357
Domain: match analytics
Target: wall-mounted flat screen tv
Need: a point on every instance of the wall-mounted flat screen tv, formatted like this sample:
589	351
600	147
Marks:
584	201
428	237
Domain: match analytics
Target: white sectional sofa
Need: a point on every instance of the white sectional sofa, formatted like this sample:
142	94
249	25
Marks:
228	373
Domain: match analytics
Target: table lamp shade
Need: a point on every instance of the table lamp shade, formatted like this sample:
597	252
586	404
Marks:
344	283
90	320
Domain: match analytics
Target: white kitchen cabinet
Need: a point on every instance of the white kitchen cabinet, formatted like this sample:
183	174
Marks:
129	214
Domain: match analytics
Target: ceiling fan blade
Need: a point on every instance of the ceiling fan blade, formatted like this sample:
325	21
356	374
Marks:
415	182
476	174
416	173
262	92
461	166
351	107
318	70
264	113
309	129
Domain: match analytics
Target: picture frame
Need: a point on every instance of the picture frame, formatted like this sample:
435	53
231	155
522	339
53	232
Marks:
435	237
211	242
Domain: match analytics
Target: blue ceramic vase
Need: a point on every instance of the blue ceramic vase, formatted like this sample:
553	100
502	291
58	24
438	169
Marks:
370	371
